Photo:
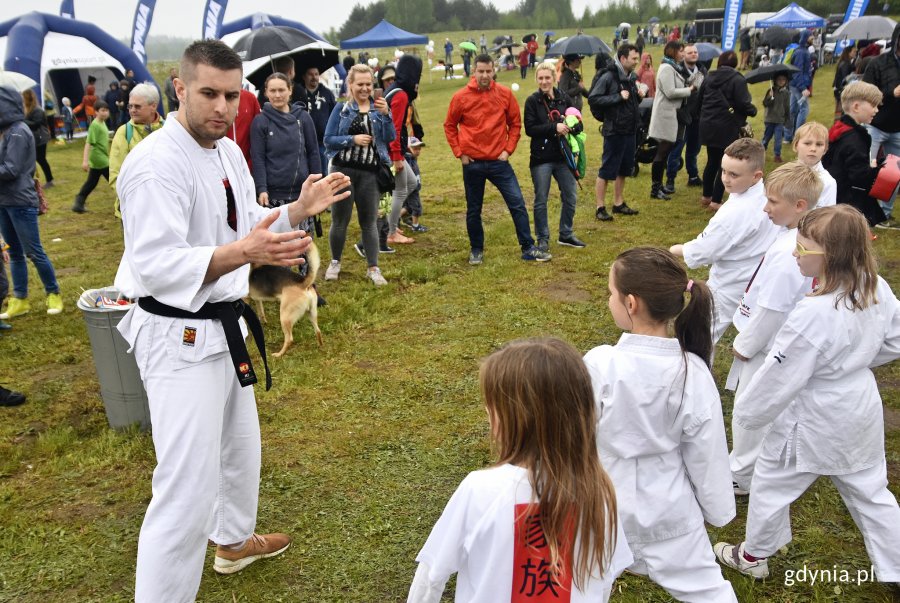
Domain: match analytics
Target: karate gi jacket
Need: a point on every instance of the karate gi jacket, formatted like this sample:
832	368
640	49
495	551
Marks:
817	387
734	241
174	212
661	437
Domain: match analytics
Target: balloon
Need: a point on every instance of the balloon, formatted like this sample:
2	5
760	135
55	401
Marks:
515	87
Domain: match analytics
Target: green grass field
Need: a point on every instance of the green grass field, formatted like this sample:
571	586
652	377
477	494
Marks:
365	439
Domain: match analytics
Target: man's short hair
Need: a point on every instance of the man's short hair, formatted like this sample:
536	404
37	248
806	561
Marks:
860	91
100	104
794	181
749	150
624	50
484	58
283	64
214	53
811	129
147	92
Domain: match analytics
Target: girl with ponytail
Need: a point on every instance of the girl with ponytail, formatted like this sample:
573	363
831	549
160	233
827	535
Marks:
660	434
540	525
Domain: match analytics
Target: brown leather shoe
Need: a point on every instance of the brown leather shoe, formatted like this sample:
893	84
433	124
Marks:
259	546
705	201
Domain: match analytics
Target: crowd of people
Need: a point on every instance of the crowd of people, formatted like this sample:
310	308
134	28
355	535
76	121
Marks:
630	439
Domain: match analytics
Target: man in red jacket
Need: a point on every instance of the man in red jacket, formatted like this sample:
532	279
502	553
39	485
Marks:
483	128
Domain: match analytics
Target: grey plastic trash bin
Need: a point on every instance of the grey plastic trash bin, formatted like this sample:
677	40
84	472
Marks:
120	381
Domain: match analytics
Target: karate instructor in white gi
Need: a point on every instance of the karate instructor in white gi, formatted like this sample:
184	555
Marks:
192	227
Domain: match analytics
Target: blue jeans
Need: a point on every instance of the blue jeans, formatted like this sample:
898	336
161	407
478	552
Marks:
19	228
891	143
799	113
776	130
690	143
501	175
540	176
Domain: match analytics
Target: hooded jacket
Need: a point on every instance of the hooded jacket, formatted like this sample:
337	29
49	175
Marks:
620	116
725	105
646	75
17	154
284	150
403	92
847	160
884	72
483	123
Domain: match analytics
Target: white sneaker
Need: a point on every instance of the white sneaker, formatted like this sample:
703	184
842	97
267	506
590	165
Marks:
375	275
738	491
733	556
334	271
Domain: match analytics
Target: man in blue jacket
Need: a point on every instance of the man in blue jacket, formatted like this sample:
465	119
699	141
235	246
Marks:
800	86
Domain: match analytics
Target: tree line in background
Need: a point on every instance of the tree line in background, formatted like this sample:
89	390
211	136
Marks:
426	16
474	16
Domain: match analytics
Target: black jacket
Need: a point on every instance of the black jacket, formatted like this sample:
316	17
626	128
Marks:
884	72
725	105
570	83
544	139
847	160
36	120
619	116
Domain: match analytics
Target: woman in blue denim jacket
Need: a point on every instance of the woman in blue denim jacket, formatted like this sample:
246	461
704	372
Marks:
356	143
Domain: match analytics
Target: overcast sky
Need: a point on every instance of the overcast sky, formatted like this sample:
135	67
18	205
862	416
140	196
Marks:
182	18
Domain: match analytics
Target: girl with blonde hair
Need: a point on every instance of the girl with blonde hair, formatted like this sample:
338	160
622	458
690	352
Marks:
817	392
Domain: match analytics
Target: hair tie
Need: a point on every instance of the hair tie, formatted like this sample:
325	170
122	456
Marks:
690	284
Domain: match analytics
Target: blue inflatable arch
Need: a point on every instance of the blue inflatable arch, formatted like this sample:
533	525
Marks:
67	74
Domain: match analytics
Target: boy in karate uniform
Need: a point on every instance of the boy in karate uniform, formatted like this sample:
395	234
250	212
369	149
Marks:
738	235
773	291
811	143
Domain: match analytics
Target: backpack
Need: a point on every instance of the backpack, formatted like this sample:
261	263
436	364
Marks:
129	130
598	112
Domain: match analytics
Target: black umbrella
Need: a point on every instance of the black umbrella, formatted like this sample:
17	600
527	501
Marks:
266	41
320	55
778	37
500	40
765	74
528	38
579	44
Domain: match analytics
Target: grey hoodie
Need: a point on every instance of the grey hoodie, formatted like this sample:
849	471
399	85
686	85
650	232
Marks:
284	151
16	153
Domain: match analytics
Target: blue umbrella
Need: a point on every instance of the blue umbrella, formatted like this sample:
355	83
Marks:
653	20
707	51
549	33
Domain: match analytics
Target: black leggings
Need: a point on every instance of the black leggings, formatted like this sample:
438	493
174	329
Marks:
712	174
663	148
40	152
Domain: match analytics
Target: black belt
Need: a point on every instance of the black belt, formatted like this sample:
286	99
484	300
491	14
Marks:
227	313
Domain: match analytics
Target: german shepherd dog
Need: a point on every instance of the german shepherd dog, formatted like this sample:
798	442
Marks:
293	290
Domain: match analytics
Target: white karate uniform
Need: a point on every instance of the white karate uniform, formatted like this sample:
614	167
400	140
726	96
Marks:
829	186
475	538
661	438
817	391
734	242
205	426
774	290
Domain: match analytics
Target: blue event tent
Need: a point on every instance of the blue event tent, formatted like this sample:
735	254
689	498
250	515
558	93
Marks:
60	54
792	17
383	35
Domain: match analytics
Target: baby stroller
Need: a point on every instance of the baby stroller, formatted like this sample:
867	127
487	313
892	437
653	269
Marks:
646	146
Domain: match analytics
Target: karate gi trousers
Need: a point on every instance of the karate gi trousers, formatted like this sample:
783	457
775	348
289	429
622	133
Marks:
208	453
685	566
745	443
777	483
